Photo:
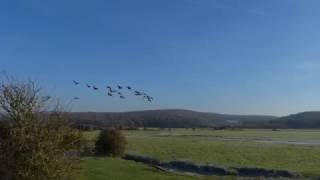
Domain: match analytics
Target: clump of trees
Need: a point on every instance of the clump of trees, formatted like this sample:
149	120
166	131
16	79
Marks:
36	140
111	142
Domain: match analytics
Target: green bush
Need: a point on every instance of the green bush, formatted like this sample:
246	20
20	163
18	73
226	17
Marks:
111	142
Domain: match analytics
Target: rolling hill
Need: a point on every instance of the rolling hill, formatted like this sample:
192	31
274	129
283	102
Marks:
173	118
297	121
180	118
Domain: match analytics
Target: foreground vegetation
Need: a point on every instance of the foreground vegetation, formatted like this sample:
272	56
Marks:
118	169
202	146
36	140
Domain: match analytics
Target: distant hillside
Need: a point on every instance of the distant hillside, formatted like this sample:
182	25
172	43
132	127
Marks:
300	120
179	118
175	118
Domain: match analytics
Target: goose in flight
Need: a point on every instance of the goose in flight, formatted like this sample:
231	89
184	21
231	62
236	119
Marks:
46	98
148	98
137	93
75	82
111	90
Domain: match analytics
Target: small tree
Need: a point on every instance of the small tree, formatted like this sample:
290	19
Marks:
111	142
36	142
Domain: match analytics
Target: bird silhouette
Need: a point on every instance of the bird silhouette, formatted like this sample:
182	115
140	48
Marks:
75	82
111	90
46	98
148	98
137	93
117	91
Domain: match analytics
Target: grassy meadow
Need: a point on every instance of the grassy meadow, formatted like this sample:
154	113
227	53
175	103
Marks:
118	169
240	148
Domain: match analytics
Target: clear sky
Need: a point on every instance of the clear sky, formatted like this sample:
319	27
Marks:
227	56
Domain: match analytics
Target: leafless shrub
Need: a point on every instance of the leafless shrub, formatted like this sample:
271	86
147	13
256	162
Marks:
35	136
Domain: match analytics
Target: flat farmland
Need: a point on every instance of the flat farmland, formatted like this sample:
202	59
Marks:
292	150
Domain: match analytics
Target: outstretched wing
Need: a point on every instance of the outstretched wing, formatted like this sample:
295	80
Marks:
75	82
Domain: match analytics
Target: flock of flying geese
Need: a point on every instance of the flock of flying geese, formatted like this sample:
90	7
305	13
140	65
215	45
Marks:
117	91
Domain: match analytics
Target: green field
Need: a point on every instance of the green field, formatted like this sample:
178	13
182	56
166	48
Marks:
220	147
117	169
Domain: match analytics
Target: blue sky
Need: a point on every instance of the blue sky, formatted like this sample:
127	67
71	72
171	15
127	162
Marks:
235	56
